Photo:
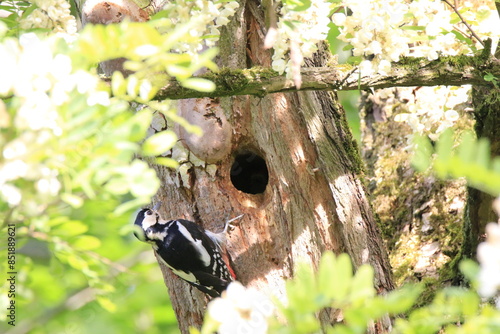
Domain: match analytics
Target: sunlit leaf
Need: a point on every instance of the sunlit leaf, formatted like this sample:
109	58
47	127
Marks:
130	205
159	143
167	162
483	153
470	269
413	28
343	279
298	5
106	304
422	155
118	84
76	262
400	300
466	150
327	270
73	200
70	228
199	84
85	242
444	147
362	284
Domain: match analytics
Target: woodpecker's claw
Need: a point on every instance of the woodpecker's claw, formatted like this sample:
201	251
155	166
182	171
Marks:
228	226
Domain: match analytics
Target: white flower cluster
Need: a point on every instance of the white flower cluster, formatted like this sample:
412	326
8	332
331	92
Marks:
51	14
305	28
240	310
488	255
384	31
41	82
431	110
209	16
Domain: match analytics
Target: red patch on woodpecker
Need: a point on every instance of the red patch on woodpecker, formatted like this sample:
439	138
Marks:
227	261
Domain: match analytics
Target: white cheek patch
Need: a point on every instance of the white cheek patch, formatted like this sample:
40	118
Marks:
148	221
202	252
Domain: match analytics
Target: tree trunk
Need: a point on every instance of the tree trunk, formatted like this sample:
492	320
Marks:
479	204
289	164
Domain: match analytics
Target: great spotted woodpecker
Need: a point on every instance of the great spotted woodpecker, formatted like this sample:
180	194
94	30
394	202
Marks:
195	255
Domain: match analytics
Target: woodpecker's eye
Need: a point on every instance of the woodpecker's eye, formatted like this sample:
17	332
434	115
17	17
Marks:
149	212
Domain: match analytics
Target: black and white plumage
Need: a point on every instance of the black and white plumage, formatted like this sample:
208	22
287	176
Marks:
190	252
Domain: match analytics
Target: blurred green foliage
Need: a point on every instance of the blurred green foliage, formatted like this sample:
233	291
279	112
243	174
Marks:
353	298
454	156
336	286
78	269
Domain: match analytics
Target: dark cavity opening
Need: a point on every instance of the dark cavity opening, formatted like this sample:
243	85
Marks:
249	173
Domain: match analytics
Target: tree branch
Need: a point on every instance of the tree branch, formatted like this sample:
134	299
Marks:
454	7
450	71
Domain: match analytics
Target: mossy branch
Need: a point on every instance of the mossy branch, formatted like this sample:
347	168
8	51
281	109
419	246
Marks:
258	81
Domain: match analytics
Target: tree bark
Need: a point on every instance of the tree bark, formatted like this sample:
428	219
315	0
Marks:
313	200
479	204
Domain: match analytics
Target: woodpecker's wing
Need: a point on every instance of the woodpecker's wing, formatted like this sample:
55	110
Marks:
193	256
210	284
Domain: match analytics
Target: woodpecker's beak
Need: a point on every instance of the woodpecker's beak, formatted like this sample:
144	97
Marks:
157	206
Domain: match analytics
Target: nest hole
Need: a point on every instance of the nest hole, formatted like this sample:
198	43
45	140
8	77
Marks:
249	173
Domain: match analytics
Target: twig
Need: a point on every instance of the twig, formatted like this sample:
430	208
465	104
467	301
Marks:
464	22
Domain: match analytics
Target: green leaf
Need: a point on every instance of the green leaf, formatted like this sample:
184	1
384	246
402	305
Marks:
413	28
131	205
354	60
180	72
483	153
70	228
470	269
159	143
132	86
327	270
118	84
444	151
205	60
77	262
402	299
482	14
422	154
106	304
73	200
298	5
489	77
199	84
343	279
117	186
466	150
193	330
167	162
347	47
147	91
301	291
362	284
85	242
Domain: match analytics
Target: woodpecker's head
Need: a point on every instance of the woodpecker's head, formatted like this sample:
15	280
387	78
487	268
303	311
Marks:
149	224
